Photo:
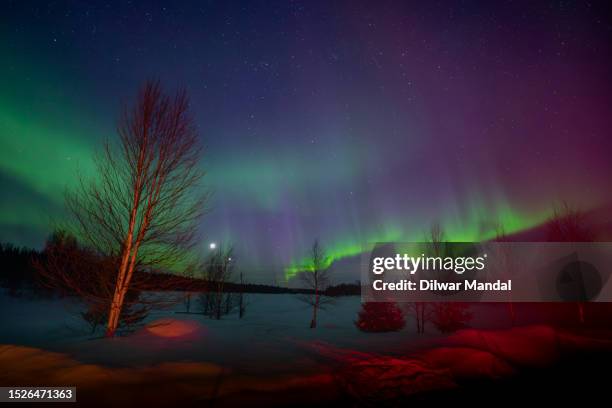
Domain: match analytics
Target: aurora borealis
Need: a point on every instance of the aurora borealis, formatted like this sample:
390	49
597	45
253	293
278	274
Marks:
347	122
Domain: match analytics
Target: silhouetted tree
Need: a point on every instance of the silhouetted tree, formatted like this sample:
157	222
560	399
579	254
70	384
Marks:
241	300
190	272
141	209
436	239
506	263
421	312
436	245
217	271
568	224
315	278
17	272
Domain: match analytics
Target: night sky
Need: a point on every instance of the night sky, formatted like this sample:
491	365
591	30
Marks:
345	121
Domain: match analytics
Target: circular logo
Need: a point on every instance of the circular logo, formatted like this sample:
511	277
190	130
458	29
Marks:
578	281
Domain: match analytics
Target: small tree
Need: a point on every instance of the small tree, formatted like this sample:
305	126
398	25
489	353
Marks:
506	263
448	317
315	278
190	275
241	300
421	312
380	317
568	224
435	239
218	270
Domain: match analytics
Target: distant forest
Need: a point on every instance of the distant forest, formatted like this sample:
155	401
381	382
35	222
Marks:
20	276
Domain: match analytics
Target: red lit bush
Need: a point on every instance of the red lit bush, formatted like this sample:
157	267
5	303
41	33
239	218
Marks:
380	317
450	317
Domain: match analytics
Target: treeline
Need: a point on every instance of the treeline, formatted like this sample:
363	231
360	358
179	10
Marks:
188	284
17	268
18	275
65	268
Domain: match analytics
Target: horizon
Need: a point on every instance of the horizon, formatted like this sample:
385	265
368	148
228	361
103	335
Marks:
369	128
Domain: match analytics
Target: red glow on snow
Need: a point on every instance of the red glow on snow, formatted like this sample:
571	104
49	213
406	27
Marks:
172	328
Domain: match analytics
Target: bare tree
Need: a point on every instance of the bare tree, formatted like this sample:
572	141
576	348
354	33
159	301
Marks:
435	239
316	279
142	209
218	270
421	312
568	224
241	300
506	265
190	274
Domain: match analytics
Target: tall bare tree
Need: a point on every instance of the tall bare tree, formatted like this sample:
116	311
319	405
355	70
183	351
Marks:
143	206
316	279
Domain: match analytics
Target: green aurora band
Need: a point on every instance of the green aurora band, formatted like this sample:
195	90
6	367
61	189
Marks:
49	134
479	225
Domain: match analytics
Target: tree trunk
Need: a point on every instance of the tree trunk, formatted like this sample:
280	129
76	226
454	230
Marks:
241	299
188	302
580	312
422	307
123	283
419	313
116	304
218	301
123	274
115	312
313	322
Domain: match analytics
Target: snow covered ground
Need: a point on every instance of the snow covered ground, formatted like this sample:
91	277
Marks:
271	355
273	337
